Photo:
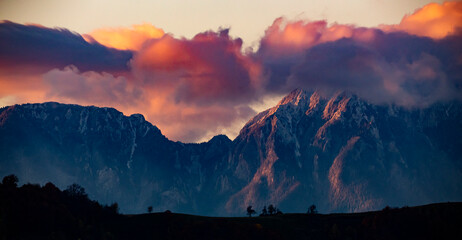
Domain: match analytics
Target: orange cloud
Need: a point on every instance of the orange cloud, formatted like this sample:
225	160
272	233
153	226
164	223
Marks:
191	123
299	34
208	68
21	88
285	38
433	20
195	88
289	38
206	82
165	54
125	38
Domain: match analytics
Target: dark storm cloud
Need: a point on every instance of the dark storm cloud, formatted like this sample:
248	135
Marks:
46	48
384	68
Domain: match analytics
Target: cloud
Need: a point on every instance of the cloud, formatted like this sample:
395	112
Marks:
125	38
178	120
195	88
40	49
191	123
392	66
288	39
206	82
433	20
285	42
198	87
21	88
205	70
91	88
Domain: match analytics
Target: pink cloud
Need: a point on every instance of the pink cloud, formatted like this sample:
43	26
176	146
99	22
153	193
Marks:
195	88
385	65
433	20
285	38
207	69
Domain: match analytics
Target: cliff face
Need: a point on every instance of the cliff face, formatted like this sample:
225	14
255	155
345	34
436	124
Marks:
345	154
341	153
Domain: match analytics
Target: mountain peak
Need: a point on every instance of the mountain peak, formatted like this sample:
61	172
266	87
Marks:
292	105
295	97
138	116
220	137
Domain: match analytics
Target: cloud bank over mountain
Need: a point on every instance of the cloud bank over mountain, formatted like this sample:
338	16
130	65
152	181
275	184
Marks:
199	87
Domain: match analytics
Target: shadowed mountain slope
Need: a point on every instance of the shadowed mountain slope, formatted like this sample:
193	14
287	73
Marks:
340	152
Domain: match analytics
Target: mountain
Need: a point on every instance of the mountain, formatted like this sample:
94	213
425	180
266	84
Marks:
341	153
115	157
345	154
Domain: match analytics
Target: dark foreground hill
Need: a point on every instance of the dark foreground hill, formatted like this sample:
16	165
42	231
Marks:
35	212
435	221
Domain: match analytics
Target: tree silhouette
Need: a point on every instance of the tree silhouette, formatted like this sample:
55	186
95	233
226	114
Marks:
76	191
150	209
264	212
10	181
271	209
250	211
312	209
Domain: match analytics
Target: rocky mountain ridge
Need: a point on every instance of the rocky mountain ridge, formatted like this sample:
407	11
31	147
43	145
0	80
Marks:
339	152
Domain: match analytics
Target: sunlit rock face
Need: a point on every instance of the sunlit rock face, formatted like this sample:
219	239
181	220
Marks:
344	154
338	152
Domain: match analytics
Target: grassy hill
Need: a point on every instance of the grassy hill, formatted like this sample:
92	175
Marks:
35	212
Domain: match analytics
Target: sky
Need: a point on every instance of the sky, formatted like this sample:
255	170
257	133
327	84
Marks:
200	68
185	18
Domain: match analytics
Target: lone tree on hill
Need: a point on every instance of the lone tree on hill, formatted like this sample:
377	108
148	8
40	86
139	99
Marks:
312	209
250	211
271	209
150	209
264	212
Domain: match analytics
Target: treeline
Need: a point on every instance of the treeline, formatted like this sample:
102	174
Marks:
272	210
46	212
34	211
